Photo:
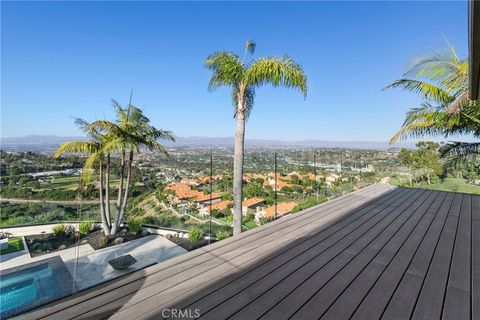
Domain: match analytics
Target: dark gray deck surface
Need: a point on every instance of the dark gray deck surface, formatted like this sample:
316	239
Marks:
378	253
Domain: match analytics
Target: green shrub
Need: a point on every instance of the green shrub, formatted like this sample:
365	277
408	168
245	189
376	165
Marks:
47	246
249	217
85	227
220	234
194	235
250	224
134	225
148	220
59	229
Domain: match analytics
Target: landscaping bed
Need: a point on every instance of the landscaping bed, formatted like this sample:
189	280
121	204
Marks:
41	244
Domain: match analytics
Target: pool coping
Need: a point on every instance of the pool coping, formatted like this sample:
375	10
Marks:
62	275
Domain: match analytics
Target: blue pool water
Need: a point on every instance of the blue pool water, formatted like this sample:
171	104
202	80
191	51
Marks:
27	286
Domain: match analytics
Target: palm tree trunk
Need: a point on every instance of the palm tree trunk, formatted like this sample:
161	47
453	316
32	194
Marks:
119	195
106	227
238	169
120	187
107	191
125	196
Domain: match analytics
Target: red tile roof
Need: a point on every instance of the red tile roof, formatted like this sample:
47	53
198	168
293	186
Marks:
282	209
252	201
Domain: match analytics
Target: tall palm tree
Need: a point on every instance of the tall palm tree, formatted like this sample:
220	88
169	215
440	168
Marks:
441	80
244	77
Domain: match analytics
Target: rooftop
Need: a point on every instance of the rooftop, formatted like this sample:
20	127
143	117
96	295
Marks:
382	251
252	201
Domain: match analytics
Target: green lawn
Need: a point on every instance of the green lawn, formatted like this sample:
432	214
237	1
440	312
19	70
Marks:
72	182
14	244
66	180
456	185
448	184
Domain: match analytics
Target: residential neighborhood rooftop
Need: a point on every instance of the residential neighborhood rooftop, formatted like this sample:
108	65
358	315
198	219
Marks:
380	252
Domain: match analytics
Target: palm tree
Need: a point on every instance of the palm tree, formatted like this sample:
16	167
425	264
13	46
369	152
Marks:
95	150
244	77
442	81
131	133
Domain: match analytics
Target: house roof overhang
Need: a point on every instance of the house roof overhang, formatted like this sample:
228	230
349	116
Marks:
474	48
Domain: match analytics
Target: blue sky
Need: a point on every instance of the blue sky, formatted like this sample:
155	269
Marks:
64	59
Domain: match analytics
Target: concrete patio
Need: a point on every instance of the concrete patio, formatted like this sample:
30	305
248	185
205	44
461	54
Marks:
90	267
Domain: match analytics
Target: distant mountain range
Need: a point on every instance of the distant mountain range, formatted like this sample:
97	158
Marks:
49	142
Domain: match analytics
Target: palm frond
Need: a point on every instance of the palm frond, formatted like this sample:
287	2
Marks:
250	46
447	87
82	147
90	165
460	152
444	68
276	71
227	69
424	89
433	66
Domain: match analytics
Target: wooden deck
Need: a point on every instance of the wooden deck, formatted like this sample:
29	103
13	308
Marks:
379	253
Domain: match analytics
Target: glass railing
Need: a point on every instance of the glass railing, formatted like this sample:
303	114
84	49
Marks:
51	221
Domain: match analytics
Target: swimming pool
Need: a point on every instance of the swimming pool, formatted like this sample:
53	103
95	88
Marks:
31	285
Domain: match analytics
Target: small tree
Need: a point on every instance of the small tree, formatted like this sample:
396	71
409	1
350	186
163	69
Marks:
406	158
427	158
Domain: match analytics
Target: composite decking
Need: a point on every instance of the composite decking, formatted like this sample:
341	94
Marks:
378	253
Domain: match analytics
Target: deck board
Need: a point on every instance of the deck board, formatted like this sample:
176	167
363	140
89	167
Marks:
359	252
457	300
431	298
388	252
372	288
277	285
405	296
375	255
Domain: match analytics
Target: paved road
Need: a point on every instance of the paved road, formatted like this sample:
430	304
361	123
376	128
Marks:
61	202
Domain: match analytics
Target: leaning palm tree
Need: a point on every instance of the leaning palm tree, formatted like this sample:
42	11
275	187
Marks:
442	82
244	77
